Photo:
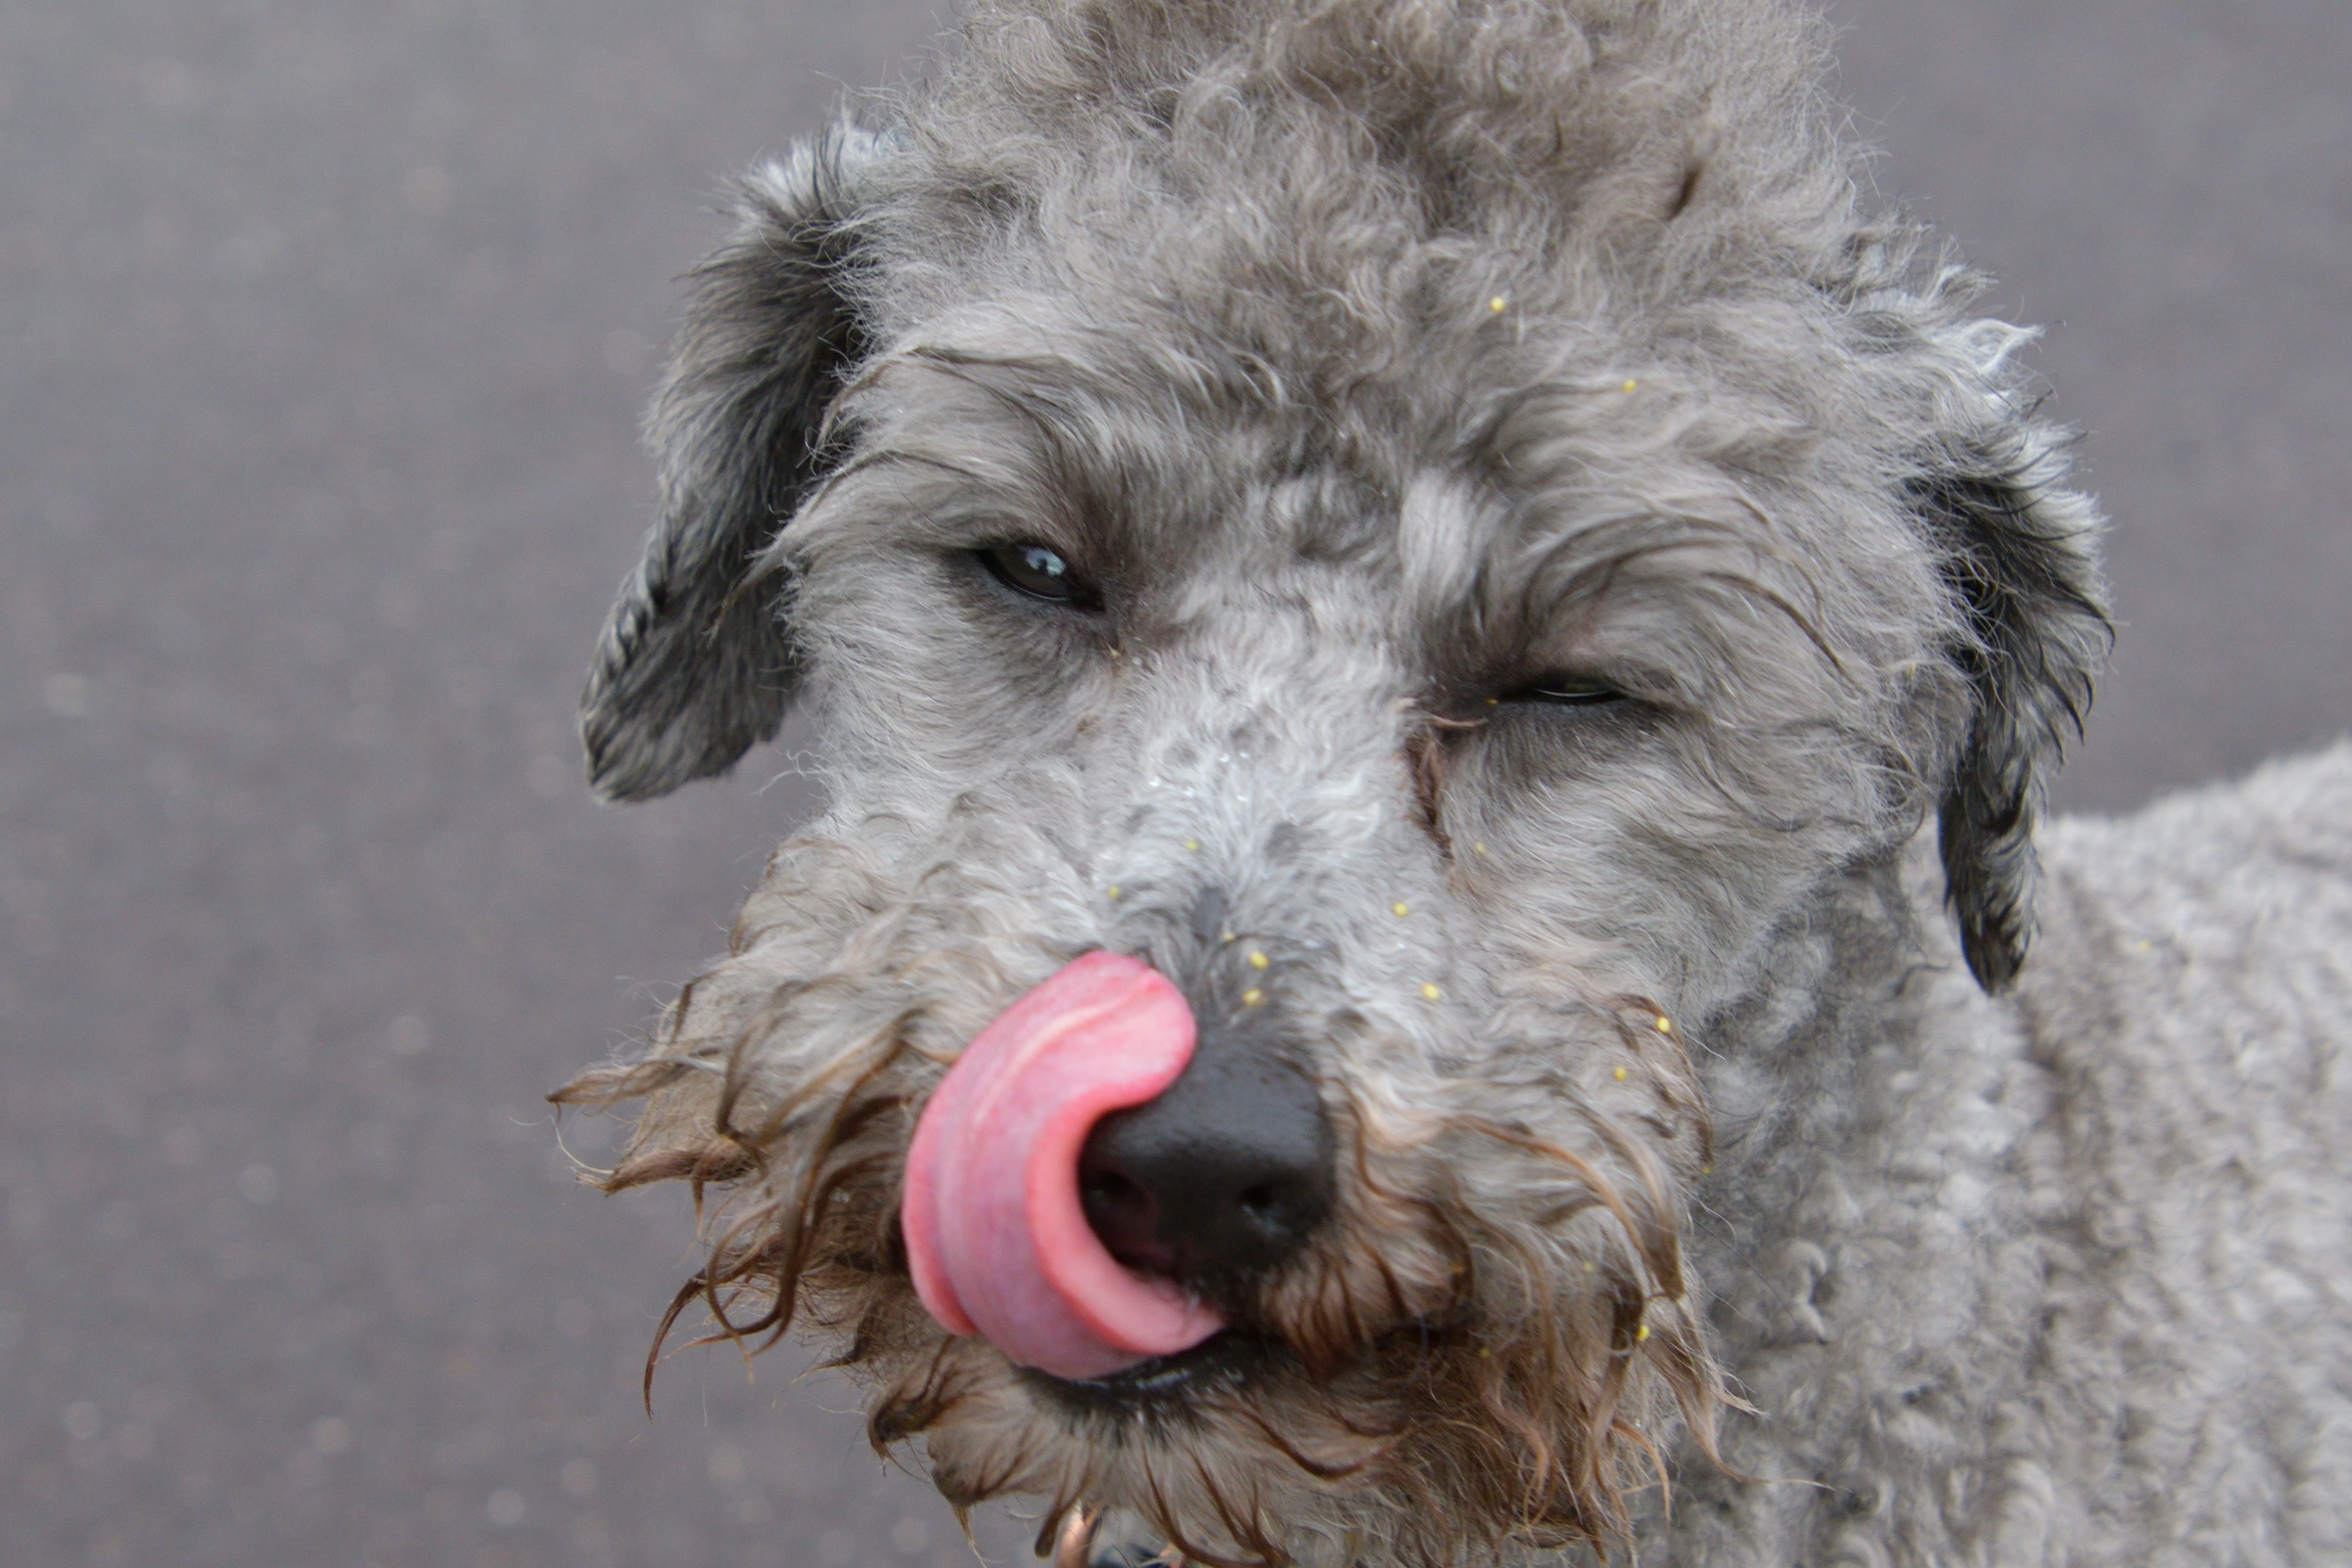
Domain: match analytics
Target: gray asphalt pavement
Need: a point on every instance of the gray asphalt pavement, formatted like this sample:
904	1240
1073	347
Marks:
324	327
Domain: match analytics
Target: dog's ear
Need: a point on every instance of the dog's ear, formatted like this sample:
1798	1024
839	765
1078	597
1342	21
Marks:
695	664
2018	555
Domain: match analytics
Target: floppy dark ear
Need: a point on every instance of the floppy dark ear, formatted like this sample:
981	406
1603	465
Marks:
2019	555
696	665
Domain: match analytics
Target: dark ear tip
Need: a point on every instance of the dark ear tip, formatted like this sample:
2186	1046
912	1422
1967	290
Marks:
1989	885
620	768
1994	958
655	723
626	766
612	786
613	776
1991	874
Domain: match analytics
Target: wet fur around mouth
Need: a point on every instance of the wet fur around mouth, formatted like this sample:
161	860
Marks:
1706	1108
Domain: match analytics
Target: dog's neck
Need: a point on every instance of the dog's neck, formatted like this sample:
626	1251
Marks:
1871	1106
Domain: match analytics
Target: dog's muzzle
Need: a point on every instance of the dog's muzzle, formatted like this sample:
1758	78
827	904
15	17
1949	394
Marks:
1066	1195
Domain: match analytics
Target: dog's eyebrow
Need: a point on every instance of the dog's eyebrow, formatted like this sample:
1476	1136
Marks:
1038	439
871	460
1019	389
1560	573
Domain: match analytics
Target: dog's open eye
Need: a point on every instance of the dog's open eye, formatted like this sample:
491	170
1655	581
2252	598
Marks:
1040	571
1565	689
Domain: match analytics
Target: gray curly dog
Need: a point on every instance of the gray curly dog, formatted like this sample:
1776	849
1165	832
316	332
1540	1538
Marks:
1434	652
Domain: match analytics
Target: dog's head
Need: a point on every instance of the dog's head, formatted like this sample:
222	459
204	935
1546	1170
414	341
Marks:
1432	530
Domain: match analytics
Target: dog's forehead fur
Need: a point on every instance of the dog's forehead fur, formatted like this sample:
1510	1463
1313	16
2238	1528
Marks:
1317	183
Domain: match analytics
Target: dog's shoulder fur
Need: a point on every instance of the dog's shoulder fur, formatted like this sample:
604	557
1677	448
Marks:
2061	1277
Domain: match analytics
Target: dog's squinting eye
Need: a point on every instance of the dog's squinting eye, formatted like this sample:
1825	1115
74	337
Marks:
1564	690
1040	573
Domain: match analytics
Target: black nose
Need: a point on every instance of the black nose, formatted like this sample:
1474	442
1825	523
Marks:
1224	1175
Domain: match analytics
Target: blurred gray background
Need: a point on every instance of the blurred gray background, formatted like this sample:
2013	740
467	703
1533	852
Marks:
323	332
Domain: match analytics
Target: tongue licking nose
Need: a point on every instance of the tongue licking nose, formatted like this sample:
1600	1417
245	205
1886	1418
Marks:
996	1239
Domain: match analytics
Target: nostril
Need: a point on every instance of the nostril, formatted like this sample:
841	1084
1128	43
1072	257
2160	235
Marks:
1226	1174
1277	1215
1124	1217
1113	1202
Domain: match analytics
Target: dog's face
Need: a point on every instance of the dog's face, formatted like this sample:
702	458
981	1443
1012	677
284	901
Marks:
1438	535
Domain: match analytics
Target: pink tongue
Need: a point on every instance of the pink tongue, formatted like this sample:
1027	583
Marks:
995	1238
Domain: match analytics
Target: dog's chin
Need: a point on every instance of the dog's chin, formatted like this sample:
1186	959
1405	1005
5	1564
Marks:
1145	1439
1462	1436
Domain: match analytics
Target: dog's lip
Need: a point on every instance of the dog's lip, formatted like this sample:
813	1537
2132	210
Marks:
1162	1381
1231	1357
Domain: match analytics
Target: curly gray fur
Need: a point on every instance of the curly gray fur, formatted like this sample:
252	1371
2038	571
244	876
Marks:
1376	358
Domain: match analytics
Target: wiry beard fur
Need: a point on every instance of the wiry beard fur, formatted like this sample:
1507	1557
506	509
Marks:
1490	1344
